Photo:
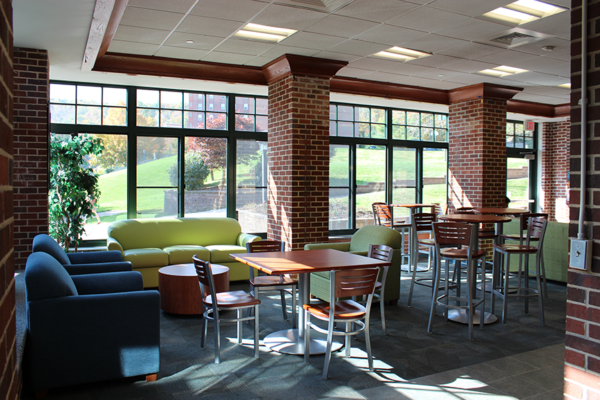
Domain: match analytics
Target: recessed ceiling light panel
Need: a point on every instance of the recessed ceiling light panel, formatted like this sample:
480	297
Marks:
503	70
400	53
264	33
524	11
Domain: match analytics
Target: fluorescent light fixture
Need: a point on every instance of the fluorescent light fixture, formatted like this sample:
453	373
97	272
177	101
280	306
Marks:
565	85
400	53
524	11
535	7
263	32
512	16
503	70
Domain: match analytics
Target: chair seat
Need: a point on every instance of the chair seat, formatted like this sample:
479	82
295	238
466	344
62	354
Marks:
426	242
378	285
517	237
344	309
460	253
239	298
516	248
268	280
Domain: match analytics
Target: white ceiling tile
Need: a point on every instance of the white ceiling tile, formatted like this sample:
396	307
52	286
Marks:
312	40
469	66
208	26
152	19
475	29
434	43
513	58
471	51
436	60
180	52
142	35
226	58
279	50
556	67
562	48
375	64
288	17
469	7
201	42
353	72
177	6
337	56
244	47
385	10
390	35
552	91
145	49
259	61
429	19
558	25
407	68
338	25
358	47
524	96
383	76
222	9
537	78
416	81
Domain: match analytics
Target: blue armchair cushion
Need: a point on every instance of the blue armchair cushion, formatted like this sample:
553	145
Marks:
95	257
46	278
48	245
129	281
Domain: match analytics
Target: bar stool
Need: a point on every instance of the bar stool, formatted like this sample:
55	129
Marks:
462	236
536	229
421	223
382	214
524	221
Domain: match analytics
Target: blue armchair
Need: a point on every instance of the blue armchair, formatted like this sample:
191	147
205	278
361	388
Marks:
82	263
87	328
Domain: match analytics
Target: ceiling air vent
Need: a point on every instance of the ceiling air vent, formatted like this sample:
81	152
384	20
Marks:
327	6
515	37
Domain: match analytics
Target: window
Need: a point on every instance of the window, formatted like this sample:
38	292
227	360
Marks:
88	105
358	122
251	114
421	126
517	137
251	185
170	109
339	187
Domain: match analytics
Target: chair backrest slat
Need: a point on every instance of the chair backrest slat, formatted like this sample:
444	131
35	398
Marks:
354	282
205	277
536	229
380	252
382	213
423	221
452	233
264	246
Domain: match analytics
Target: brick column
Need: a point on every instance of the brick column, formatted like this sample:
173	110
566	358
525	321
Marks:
298	182
477	145
31	149
555	166
9	380
582	355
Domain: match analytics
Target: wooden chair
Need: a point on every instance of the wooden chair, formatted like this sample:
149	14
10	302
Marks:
459	236
344	283
421	223
224	301
524	224
536	230
382	213
264	283
384	253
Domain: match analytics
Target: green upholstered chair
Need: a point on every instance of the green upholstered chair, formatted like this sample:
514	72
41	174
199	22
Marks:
359	244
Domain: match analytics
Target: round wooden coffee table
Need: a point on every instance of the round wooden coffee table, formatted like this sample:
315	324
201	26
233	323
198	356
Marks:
180	291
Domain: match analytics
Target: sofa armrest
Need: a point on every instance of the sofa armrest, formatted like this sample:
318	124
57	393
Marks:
342	246
108	283
244	238
79	339
99	268
95	257
112	244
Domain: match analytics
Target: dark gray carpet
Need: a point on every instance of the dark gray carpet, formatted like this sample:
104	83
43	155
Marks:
408	352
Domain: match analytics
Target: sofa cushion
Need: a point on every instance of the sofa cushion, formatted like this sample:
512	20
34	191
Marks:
220	253
183	254
46	278
48	245
146	258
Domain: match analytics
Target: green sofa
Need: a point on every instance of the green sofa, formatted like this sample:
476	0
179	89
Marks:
359	244
556	249
151	244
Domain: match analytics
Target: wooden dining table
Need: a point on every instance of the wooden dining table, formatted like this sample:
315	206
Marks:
474	219
303	263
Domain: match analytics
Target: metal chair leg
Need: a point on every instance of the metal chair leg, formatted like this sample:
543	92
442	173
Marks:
328	351
256	329
239	325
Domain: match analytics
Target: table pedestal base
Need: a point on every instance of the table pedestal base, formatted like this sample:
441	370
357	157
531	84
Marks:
288	342
462	317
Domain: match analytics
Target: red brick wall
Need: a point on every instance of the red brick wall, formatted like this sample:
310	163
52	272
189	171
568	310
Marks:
582	356
298	184
555	166
477	153
9	381
31	149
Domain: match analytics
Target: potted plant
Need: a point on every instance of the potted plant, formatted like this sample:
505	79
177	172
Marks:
73	186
